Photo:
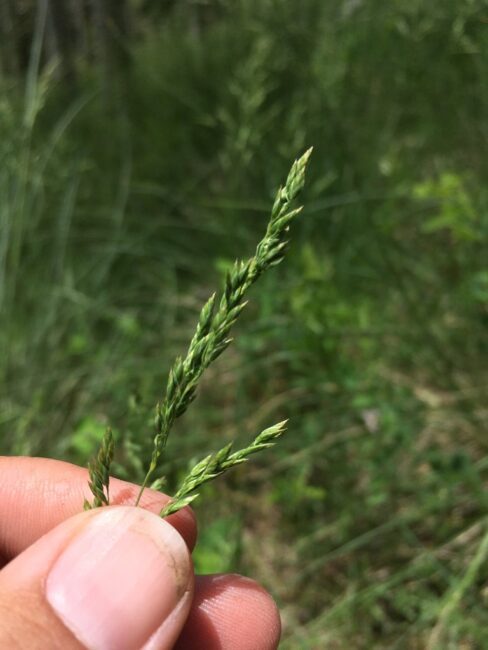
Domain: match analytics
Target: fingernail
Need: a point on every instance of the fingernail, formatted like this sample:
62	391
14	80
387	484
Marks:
119	579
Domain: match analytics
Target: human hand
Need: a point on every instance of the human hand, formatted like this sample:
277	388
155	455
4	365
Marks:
116	578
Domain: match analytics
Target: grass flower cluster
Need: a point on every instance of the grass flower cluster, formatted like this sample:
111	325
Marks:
211	338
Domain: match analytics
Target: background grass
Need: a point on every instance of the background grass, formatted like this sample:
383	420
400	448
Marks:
125	197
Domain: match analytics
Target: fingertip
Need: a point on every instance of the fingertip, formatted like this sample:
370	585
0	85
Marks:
230	611
36	494
116	577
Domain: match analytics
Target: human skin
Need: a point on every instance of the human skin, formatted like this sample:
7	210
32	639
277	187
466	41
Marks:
40	531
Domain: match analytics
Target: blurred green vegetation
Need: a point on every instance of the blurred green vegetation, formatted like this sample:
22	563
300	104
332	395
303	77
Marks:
126	191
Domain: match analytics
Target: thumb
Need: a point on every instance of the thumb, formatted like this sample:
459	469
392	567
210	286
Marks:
117	578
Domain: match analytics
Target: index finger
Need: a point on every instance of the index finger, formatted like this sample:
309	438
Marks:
36	494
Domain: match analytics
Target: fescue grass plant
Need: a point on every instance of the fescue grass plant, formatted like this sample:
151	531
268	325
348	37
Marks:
371	339
211	338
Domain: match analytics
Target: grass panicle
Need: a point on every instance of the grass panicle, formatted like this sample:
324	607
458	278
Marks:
211	338
212	335
216	464
99	473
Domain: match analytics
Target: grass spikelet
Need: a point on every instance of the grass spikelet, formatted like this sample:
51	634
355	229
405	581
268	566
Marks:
99	473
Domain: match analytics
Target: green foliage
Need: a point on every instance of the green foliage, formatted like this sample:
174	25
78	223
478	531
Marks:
85	439
456	213
116	222
219	545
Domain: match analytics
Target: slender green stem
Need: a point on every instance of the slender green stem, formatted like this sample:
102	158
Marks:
457	592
